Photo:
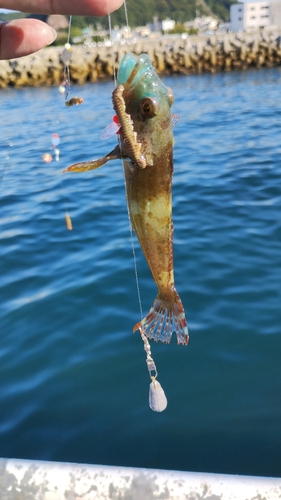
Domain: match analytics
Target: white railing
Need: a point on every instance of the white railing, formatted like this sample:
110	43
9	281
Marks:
34	480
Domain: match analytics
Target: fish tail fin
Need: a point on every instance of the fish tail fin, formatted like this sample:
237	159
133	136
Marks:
164	318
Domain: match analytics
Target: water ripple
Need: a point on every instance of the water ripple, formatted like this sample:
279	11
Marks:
72	374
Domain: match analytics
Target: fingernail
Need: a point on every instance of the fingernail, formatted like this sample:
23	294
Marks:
54	34
51	35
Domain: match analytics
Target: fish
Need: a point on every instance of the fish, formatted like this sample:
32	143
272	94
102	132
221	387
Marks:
74	101
142	104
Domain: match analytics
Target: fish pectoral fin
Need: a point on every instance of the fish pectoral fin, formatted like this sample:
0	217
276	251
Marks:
93	164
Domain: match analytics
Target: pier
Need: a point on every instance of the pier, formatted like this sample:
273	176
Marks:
176	55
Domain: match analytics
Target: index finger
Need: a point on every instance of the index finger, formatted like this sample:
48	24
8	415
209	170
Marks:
75	7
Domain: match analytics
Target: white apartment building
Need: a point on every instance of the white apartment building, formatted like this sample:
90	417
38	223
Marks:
250	16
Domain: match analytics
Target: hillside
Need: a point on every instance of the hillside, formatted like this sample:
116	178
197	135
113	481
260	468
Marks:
143	12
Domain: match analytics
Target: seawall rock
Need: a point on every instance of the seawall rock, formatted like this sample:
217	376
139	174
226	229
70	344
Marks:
193	55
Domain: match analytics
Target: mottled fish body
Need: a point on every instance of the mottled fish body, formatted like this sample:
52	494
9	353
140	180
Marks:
142	104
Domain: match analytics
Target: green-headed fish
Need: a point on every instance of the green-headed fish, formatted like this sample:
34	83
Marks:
142	105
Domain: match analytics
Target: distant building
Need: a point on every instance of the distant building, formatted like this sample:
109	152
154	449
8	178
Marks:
275	9
168	24
143	31
204	23
251	16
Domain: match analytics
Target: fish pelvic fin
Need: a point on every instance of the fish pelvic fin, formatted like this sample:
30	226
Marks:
164	318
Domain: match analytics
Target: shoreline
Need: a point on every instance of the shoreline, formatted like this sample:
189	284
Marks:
193	55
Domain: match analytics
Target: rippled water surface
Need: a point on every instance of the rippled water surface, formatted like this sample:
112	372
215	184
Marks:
73	379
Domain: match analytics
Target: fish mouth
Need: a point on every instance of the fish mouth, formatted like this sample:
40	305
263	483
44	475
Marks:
130	71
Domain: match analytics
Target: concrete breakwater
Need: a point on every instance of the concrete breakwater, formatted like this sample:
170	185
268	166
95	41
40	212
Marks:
193	55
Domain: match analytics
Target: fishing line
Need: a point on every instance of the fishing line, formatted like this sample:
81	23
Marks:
64	89
157	397
112	51
7	164
126	14
66	73
66	65
130	225
65	57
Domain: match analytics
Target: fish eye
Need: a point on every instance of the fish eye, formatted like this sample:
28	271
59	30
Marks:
170	96
148	107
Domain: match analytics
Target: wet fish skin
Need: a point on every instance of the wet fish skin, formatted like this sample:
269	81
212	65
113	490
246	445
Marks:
149	189
142	104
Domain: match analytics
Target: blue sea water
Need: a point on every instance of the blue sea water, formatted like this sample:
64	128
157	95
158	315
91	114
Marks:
73	378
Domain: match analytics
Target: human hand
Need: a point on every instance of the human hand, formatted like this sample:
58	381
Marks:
24	36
